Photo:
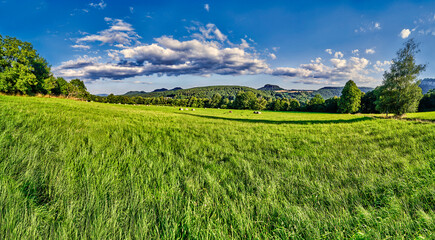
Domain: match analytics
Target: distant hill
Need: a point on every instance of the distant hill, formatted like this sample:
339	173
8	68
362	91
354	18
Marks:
427	84
160	90
329	92
230	92
201	92
270	87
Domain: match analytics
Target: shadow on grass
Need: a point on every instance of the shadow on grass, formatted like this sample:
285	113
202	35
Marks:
302	122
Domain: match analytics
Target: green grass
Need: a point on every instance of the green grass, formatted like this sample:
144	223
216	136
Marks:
421	115
78	170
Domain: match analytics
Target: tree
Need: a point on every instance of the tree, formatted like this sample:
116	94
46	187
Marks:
331	104
350	100
77	88
245	100
215	100
427	103
316	104
368	101
22	70
399	92
294	105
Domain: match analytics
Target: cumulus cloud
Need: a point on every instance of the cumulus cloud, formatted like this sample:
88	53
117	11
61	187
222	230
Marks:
208	51
338	54
100	5
380	66
118	32
355	51
209	32
370	51
405	33
81	47
317	72
207	7
204	56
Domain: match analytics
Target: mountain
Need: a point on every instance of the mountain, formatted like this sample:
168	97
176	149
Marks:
268	91
427	84
329	92
160	90
102	95
201	92
270	87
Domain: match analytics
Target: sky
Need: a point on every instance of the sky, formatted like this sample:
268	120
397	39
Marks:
121	46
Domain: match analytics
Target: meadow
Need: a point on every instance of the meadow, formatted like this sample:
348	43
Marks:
79	170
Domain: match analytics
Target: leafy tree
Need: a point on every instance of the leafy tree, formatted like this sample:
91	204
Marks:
22	70
350	100
427	103
331	104
400	92
245	100
76	88
215	100
368	101
294	105
316	104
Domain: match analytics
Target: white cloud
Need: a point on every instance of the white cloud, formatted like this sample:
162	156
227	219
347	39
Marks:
81	47
377	26
405	33
203	56
131	10
370	51
370	27
355	51
210	31
100	5
338	54
119	32
380	66
208	52
317	72
207	7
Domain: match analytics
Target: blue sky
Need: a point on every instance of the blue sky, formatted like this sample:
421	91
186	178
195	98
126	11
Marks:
118	46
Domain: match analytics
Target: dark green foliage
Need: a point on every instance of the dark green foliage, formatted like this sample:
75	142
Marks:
245	100
400	92
229	92
368	102
215	101
427	103
331	105
350	100
22	70
316	104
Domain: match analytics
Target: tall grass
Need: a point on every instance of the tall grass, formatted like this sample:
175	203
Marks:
72	169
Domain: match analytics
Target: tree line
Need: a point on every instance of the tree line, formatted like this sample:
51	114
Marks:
23	71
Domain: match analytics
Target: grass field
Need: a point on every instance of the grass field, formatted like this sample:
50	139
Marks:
74	170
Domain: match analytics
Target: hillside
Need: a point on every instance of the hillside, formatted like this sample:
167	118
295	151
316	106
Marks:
202	92
270	87
230	92
427	84
86	170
